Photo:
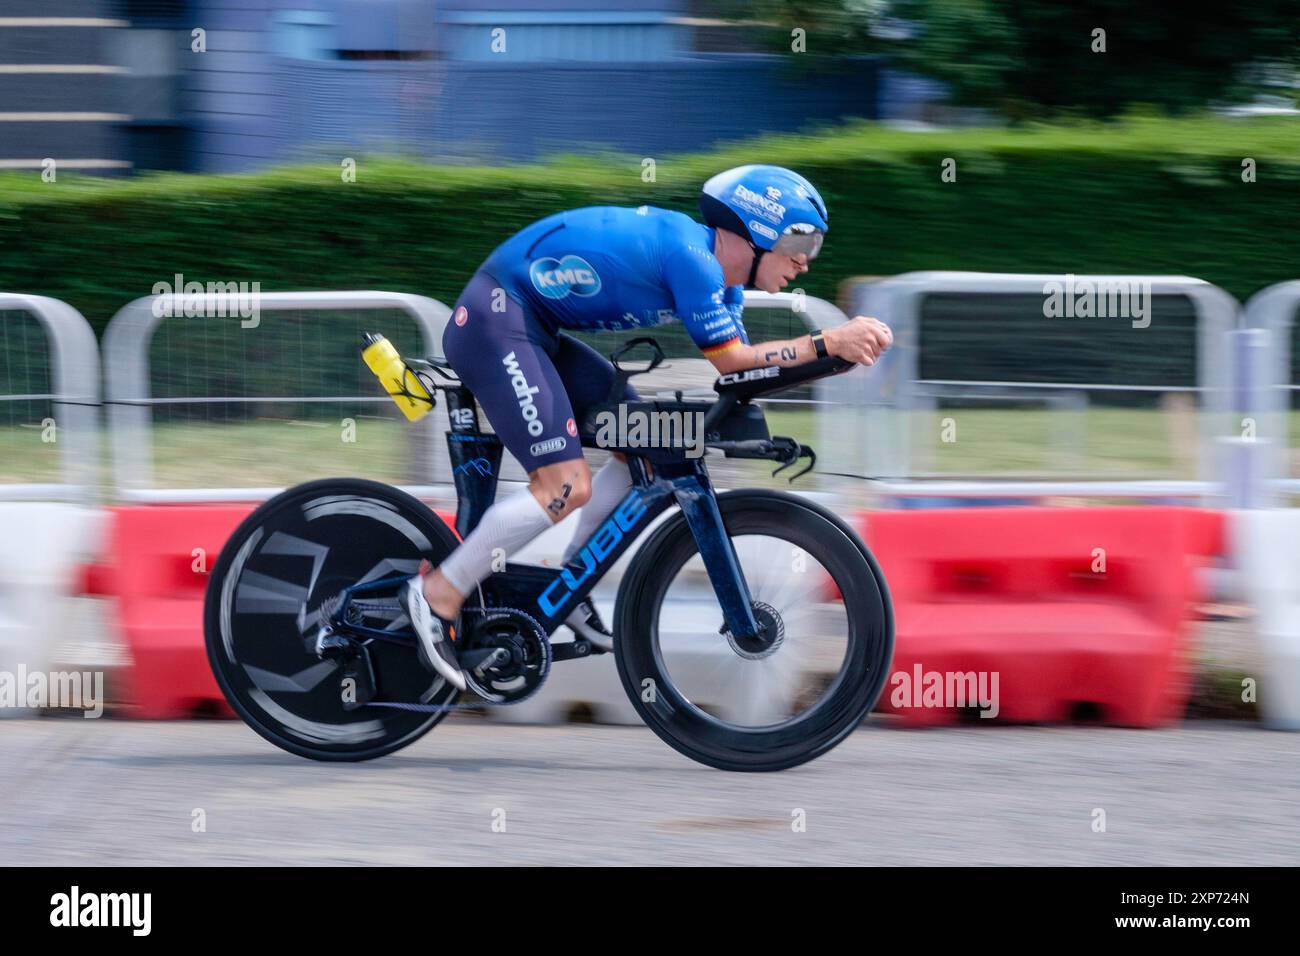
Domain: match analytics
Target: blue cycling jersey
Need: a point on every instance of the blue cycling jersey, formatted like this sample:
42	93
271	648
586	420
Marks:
606	267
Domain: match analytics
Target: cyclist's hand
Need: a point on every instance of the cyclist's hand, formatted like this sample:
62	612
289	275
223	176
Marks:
861	339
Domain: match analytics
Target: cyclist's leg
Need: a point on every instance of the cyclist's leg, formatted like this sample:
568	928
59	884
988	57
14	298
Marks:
504	358
587	376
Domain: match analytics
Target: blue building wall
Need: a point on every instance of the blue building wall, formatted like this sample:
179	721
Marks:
452	80
645	110
539	33
232	102
286	80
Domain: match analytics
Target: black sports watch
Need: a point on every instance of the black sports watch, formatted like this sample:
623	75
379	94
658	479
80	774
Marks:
819	343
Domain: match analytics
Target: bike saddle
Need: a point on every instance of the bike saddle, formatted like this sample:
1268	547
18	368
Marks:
434	365
622	375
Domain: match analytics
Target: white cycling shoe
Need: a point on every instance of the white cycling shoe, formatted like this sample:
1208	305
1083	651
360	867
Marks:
435	635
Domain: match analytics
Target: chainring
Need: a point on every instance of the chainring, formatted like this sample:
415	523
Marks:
522	660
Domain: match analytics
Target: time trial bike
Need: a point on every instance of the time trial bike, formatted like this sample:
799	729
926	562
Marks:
752	631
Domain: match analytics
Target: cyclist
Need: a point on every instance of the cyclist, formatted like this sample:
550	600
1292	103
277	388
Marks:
610	268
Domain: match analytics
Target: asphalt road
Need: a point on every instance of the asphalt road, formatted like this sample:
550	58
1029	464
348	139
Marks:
75	791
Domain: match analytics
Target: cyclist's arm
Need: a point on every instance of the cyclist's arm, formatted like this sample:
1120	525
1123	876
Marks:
859	340
715	325
783	352
710	311
712	314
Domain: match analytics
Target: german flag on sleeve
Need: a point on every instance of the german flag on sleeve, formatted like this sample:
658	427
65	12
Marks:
712	350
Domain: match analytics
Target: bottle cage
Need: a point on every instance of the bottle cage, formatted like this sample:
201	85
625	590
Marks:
424	372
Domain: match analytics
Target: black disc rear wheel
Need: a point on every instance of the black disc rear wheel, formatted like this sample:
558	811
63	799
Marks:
279	575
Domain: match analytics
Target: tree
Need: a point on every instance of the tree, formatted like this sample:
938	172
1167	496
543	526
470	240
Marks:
829	27
1097	57
1032	57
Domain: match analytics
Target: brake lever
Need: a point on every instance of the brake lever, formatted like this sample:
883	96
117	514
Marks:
800	451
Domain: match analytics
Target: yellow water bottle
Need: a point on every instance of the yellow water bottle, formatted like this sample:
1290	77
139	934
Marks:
399	381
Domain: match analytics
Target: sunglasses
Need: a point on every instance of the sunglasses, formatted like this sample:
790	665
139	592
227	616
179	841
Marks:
800	239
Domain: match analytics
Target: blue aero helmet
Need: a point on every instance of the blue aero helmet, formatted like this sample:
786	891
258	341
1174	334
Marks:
774	208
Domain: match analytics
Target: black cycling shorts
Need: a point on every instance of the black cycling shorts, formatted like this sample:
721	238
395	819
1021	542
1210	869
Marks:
533	382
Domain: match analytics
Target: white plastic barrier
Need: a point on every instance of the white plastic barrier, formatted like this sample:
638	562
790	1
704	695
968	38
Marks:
1268	549
41	545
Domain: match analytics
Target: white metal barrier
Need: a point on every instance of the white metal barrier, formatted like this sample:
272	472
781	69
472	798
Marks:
74	397
893	388
46	528
1270	316
127	378
1228	378
127	388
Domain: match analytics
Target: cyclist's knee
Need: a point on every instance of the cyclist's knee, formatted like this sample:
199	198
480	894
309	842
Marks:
561	488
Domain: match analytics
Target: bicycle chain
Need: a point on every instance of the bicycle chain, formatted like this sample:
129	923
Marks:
482	701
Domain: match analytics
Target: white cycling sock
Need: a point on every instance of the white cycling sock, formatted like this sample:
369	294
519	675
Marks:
509	525
609	486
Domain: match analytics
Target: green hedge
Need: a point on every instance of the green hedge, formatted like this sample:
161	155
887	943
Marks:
1147	195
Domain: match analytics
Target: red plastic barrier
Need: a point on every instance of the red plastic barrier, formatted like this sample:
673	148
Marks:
1207	534
1069	607
1017	591
159	576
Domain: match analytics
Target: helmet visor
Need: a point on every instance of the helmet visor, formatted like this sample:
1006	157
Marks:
800	239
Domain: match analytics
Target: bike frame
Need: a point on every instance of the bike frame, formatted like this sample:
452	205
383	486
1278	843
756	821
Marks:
550	594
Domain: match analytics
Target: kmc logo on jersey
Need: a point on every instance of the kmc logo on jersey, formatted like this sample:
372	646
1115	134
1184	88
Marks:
556	278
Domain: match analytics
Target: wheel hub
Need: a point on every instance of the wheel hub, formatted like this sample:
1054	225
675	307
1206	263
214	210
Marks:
770	636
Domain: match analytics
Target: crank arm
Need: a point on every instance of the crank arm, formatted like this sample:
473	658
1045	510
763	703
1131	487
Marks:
572	650
478	659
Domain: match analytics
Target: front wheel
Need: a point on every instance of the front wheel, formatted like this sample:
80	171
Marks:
768	704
